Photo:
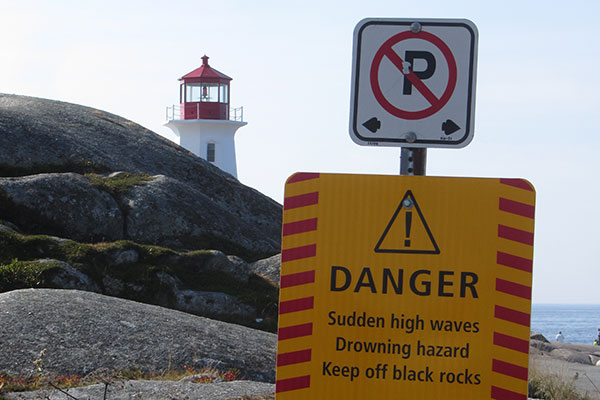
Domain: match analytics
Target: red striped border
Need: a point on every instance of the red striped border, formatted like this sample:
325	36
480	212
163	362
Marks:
514	234
518	208
511	342
306	225
516	371
298	253
513	288
510	315
294	357
504	394
518	183
285	385
303	176
306	303
301	200
297	279
509	260
295	331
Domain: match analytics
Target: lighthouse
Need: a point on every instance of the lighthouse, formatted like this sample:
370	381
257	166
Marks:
203	122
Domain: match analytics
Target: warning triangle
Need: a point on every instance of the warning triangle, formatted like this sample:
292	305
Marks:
407	231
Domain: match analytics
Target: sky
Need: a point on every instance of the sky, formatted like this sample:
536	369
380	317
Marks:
291	61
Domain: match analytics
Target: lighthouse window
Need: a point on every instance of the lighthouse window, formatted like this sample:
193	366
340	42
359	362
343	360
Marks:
192	93
202	92
210	92
210	152
223	93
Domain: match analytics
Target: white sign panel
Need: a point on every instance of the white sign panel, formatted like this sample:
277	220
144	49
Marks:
413	82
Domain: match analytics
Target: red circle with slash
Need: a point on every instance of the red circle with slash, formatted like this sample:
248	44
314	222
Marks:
436	103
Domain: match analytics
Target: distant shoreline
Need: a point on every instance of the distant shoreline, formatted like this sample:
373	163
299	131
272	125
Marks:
578	323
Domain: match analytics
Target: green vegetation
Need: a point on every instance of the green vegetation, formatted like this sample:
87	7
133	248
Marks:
541	385
550	386
141	277
22	274
39	380
118	184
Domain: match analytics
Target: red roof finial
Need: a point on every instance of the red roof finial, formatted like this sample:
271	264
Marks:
205	60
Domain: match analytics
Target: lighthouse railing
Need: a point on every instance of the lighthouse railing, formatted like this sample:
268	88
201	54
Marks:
173	112
237	114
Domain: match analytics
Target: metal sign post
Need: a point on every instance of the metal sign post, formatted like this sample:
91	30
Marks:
413	161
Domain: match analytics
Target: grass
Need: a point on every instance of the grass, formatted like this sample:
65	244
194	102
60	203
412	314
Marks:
118	184
547	386
19	269
541	385
22	274
553	386
22	383
39	380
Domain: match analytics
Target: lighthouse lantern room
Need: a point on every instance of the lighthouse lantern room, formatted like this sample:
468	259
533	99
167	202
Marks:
203	123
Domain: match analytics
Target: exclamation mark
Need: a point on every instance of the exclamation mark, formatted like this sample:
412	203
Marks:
408	223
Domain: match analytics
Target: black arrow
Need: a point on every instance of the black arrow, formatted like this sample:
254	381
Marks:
449	127
373	124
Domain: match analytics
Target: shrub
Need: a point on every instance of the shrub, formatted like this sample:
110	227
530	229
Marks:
551	386
118	184
21	274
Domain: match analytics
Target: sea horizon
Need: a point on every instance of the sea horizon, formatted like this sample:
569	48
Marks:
578	323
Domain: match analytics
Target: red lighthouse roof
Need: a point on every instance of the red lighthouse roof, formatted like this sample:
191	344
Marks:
206	73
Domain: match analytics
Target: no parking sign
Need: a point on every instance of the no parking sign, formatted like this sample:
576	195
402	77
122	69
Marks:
413	82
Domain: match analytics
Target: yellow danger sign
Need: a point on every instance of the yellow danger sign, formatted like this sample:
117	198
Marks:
405	285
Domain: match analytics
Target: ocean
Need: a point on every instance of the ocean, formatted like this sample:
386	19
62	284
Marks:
579	323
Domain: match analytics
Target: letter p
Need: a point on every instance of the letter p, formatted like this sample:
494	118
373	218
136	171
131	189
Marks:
410	57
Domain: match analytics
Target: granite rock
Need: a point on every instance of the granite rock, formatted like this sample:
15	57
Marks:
207	206
81	332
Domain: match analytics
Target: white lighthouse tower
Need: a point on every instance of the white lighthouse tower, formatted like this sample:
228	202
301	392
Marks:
202	122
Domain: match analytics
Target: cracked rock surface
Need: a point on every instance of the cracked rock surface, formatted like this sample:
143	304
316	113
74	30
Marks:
81	332
65	204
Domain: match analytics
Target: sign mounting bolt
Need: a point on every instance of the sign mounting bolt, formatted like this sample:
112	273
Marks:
415	27
410	137
407	203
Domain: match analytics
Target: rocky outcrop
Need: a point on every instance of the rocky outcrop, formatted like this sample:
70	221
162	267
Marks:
101	206
61	204
78	333
155	210
538	336
573	353
206	283
61	275
170	213
268	268
189	203
575	364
